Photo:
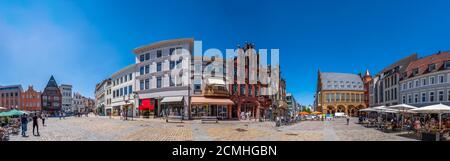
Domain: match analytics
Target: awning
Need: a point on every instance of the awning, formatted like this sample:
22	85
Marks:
215	81
146	105
172	99
211	100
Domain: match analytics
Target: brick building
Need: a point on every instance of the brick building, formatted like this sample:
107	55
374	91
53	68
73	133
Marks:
31	100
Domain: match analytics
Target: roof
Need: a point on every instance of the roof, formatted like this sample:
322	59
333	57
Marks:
402	62
145	48
123	70
422	64
52	82
11	87
341	81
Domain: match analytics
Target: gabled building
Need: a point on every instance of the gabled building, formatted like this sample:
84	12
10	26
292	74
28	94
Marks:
51	98
384	87
340	92
426	81
31	100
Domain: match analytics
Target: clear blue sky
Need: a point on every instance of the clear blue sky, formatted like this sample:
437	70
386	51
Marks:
82	42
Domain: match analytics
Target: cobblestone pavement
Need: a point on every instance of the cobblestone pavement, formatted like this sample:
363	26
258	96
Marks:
112	129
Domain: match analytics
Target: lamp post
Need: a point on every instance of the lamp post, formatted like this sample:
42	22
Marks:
135	96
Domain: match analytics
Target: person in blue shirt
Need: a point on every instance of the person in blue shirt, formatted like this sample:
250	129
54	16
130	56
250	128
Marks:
24	122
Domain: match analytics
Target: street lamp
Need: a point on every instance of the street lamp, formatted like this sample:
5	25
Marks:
135	95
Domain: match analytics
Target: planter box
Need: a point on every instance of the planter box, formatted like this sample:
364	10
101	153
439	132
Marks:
432	136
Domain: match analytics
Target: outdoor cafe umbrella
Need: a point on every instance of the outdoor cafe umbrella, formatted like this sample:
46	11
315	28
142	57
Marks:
12	113
438	109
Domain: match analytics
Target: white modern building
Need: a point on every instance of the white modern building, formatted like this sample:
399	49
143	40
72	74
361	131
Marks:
66	92
163	74
122	88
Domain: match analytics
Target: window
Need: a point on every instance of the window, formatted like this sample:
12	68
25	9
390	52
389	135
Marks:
440	96
147	56
126	78
172	65
147	69
147	83
198	87
141	85
424	97
171	81
409	98
447	64
416	98
448	95
242	89
158	82
404	86
431	96
131	76
130	89
404	99
417	83
415	71
424	82
141	58
158	53
179	62
158	67
125	91
121	91
431	67
171	50
432	80
249	90
441	78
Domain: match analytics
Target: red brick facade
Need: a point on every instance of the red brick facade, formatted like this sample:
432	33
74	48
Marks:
31	100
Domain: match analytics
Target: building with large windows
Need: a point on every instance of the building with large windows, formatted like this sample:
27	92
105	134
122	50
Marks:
384	87
122	88
31	100
10	96
426	81
163	76
51	98
66	92
340	92
100	96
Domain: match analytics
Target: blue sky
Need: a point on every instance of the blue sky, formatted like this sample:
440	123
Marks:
82	42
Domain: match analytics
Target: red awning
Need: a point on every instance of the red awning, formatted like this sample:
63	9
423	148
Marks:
146	105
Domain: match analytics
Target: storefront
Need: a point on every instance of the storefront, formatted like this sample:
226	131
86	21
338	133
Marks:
210	106
146	107
172	106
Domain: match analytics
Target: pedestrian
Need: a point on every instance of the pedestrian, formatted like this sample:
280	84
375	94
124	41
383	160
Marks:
348	120
60	115
35	124
64	115
24	122
43	117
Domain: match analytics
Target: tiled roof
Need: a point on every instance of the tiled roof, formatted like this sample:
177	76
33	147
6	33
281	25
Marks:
341	81
422	64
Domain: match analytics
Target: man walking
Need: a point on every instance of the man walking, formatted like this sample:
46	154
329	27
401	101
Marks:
24	122
348	120
35	124
43	117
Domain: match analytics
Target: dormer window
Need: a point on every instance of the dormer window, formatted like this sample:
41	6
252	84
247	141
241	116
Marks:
431	67
447	64
415	71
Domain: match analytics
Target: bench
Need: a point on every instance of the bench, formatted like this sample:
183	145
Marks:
174	118
210	119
